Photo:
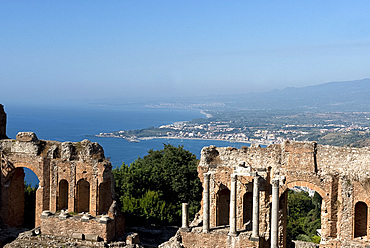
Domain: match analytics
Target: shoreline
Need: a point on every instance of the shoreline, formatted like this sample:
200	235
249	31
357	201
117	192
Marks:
203	112
230	141
185	138
206	114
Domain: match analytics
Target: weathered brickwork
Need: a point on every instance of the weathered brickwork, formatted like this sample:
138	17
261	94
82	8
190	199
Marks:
340	175
73	226
2	123
217	240
73	177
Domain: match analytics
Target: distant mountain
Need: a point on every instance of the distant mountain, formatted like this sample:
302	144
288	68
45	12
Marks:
334	96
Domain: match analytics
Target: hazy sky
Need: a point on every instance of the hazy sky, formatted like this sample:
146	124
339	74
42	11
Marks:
61	50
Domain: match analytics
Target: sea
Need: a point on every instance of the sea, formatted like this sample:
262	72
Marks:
76	123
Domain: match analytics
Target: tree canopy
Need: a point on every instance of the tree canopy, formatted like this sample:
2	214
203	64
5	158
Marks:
304	216
152	189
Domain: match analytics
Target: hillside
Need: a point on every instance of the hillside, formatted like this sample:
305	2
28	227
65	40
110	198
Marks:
328	97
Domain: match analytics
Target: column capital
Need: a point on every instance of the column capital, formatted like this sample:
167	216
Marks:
255	174
234	177
207	175
275	182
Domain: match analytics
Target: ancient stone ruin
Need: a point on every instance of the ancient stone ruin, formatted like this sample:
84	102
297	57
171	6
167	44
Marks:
244	198
75	196
245	195
2	123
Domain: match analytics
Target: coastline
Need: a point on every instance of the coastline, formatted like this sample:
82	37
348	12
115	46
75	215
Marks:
180	138
206	114
134	139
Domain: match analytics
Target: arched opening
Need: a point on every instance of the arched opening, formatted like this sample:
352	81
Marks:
18	205
223	206
62	195
83	196
105	197
247	210
303	214
360	219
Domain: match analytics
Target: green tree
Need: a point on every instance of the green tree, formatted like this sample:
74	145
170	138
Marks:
304	216
152	188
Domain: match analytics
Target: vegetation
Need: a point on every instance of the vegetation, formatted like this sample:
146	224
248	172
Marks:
152	189
304	216
29	205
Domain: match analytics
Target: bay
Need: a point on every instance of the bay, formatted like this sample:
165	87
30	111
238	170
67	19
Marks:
67	123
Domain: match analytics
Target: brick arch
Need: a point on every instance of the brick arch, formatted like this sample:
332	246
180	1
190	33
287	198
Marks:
82	197
360	219
220	186
222	206
309	185
16	210
34	169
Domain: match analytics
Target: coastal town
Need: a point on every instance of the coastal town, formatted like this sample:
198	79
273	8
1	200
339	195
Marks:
319	127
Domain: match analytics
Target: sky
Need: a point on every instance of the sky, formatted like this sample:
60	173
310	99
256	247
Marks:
68	50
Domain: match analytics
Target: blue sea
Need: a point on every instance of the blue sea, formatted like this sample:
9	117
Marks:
68	123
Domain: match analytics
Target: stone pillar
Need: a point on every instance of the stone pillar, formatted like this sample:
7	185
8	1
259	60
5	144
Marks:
185	217
206	177
232	220
256	206
275	213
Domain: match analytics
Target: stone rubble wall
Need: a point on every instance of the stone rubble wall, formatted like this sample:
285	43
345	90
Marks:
74	227
2	123
341	175
53	162
196	238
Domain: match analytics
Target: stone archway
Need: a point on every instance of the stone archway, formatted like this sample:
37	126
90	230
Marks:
360	216
223	206
104	198
247	209
83	196
63	194
13	204
284	209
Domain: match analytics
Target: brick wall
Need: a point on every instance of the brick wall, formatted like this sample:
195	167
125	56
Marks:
341	175
52	225
2	123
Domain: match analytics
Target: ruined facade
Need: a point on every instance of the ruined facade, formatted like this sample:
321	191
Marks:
245	194
2	123
76	186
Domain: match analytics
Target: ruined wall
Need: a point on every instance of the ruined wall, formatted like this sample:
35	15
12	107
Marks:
75	226
217	240
60	167
73	177
2	123
52	162
340	175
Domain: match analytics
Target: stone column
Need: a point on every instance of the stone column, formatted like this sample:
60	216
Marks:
232	220
185	217
206	177
275	213
256	206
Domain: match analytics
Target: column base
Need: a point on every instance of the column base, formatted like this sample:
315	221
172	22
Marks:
254	238
233	234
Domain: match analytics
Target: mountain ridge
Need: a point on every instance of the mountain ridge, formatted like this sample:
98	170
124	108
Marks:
331	96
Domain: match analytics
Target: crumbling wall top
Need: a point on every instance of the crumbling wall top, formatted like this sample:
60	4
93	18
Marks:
291	156
27	143
2	123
